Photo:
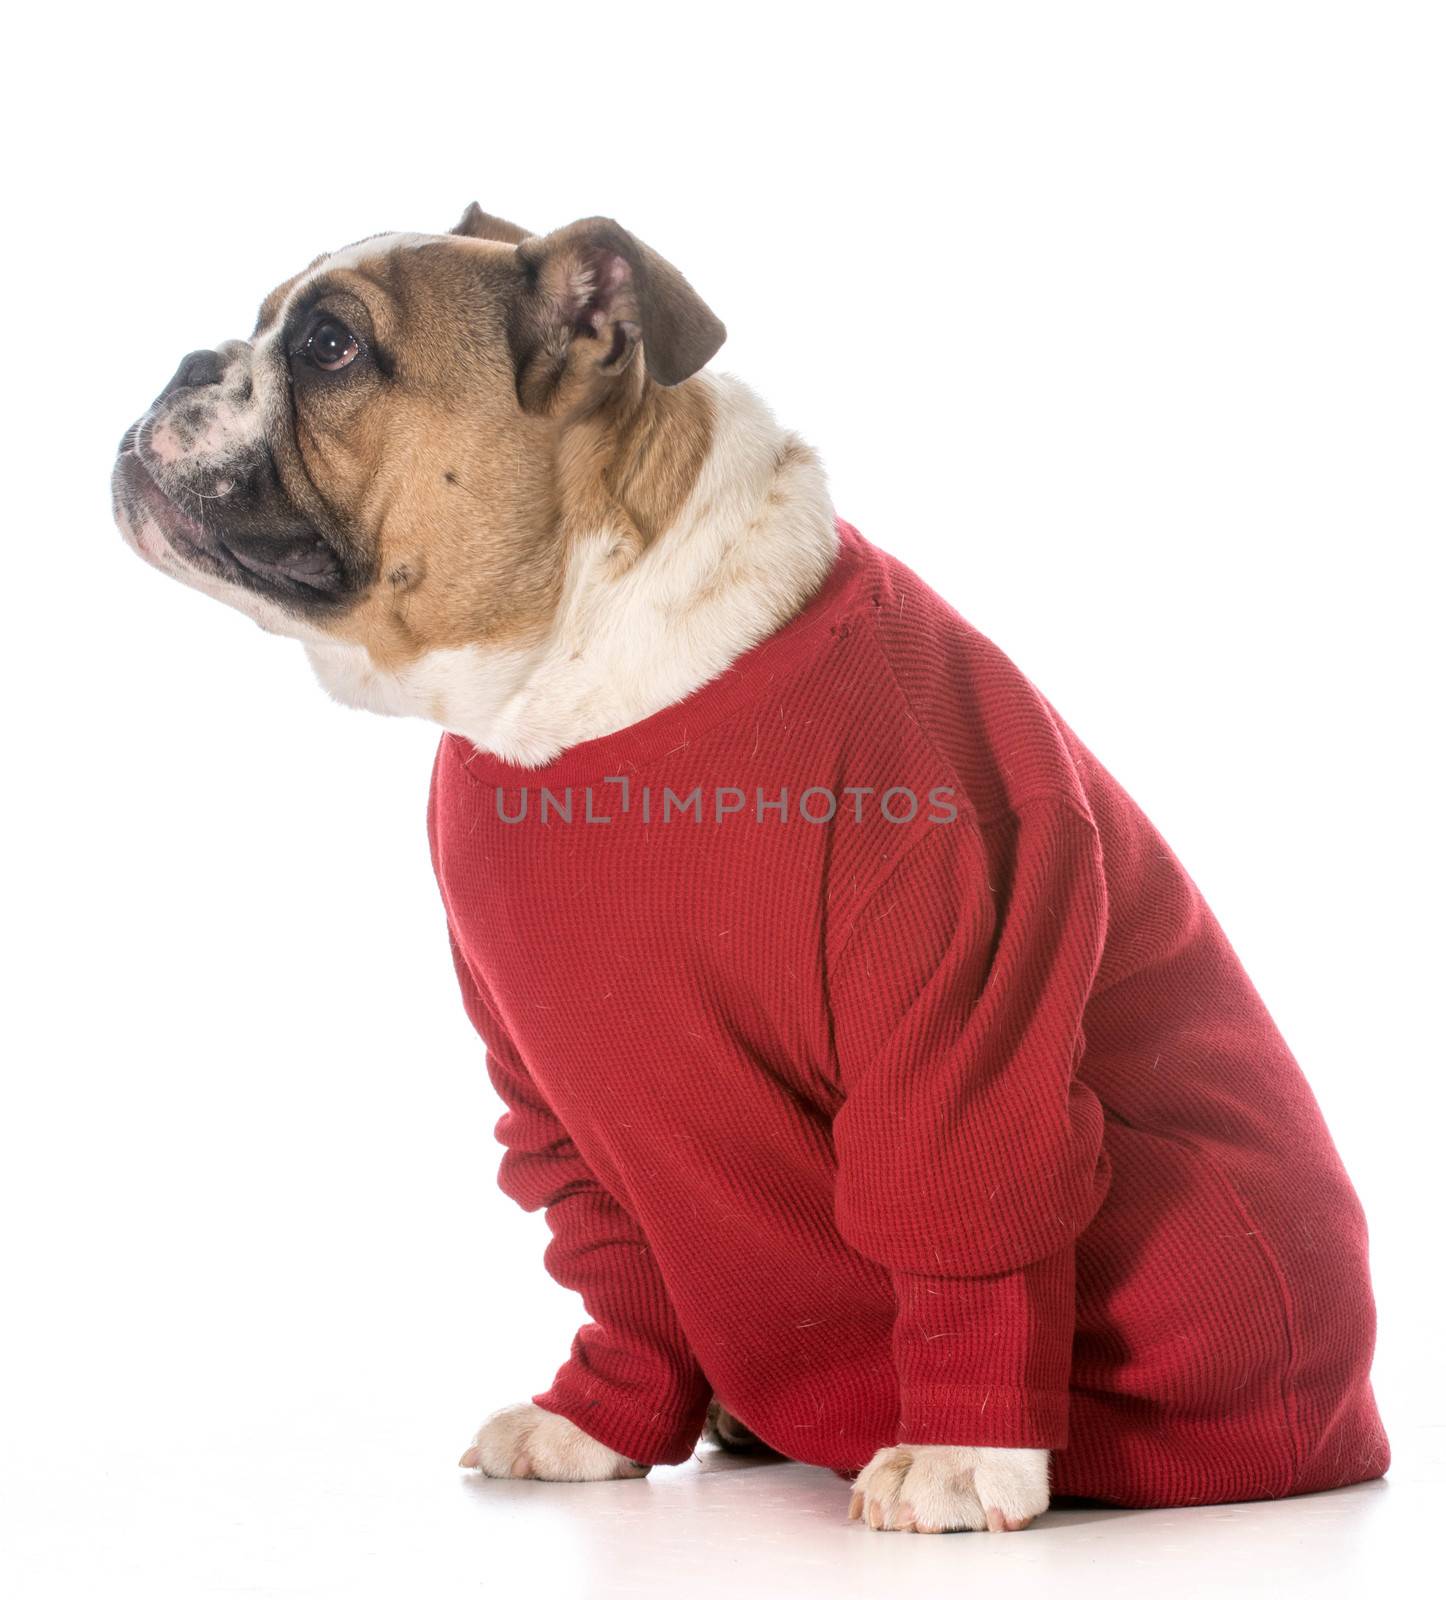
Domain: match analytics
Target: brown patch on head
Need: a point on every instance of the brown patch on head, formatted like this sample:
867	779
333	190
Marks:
630	466
427	457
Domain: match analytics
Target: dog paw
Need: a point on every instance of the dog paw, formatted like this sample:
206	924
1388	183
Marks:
936	1488
723	1429
524	1441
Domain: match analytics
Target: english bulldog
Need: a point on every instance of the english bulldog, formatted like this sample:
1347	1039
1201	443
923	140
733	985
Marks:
485	479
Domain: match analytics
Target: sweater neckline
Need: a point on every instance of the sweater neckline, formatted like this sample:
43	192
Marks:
626	749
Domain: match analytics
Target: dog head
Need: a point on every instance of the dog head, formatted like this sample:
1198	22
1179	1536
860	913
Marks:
388	460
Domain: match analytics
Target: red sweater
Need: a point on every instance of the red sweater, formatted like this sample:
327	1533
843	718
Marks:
882	1071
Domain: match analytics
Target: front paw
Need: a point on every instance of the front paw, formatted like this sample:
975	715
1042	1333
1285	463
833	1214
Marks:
937	1488
525	1441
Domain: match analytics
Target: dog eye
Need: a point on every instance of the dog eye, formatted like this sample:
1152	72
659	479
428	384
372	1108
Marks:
331	345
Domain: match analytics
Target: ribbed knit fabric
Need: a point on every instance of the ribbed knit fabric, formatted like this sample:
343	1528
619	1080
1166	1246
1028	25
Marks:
897	1085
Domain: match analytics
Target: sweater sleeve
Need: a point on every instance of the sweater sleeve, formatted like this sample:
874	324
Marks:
969	1154
631	1380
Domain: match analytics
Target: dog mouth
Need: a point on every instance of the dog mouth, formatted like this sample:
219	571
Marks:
281	561
182	532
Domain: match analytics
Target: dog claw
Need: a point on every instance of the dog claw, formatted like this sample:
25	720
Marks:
956	1486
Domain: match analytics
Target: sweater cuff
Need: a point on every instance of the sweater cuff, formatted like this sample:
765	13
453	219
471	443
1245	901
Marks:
653	1438
986	1361
1008	1419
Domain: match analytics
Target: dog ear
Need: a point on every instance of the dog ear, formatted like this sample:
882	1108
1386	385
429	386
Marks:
477	224
592	295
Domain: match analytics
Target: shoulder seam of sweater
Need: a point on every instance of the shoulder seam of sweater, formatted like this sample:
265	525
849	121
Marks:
906	854
926	733
1049	797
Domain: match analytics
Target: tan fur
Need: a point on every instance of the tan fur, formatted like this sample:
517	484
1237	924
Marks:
446	483
466	501
631	465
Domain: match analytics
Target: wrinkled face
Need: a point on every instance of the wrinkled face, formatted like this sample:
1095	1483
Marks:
361	468
386	461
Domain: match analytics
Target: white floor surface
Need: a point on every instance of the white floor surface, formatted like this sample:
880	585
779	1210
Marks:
309	1506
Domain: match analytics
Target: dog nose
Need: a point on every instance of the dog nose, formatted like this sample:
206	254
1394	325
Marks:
195	372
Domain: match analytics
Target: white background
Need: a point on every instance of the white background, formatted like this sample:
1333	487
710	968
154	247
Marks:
1122	324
